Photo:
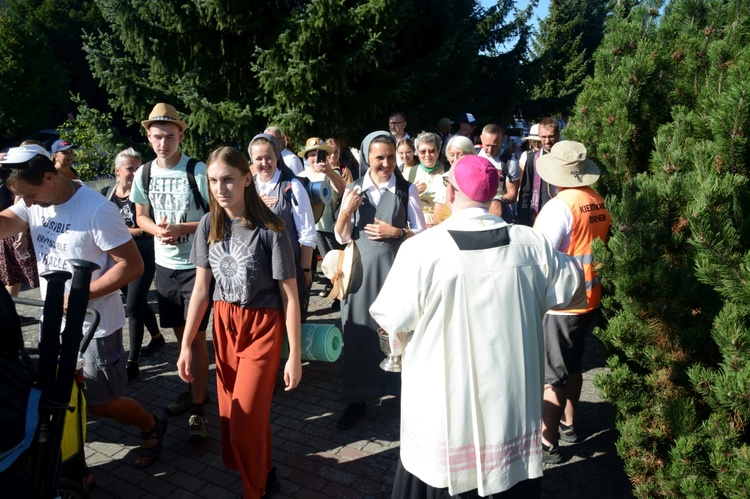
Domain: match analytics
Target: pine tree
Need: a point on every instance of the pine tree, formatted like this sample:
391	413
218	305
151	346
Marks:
562	55
666	117
319	66
30	81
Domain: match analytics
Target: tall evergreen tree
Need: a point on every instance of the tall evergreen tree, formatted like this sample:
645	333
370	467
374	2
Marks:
666	117
30	80
499	83
562	53
318	66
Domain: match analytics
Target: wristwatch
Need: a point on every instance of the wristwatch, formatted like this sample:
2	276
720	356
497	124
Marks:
403	234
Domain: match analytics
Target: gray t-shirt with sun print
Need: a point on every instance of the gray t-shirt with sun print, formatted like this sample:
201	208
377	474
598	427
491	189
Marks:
246	265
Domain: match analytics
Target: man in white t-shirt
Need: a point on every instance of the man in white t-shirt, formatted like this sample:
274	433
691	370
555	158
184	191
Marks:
176	206
70	221
290	159
507	169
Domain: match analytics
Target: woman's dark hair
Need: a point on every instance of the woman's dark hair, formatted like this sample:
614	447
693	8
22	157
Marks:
256	212
32	171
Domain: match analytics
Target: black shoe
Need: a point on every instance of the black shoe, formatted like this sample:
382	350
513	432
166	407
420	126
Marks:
153	345
273	484
551	454
568	433
336	305
353	412
133	371
26	321
326	291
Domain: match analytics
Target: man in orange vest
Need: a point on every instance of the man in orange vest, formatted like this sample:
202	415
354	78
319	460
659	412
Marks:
572	220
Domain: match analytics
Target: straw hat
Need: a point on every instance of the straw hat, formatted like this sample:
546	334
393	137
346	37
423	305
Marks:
533	133
313	144
566	165
165	113
337	266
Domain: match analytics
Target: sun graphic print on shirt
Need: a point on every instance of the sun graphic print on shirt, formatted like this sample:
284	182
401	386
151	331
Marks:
233	265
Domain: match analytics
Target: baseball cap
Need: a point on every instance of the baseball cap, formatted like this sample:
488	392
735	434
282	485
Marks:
23	154
467	118
476	177
444	121
61	145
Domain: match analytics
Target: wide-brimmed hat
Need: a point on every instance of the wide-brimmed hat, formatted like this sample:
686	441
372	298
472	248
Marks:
337	266
533	133
313	144
23	154
566	165
165	113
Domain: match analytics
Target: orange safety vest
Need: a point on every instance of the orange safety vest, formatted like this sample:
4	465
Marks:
591	221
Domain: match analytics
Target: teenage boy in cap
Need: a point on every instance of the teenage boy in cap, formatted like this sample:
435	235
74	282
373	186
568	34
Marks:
63	157
571	221
176	213
471	396
69	220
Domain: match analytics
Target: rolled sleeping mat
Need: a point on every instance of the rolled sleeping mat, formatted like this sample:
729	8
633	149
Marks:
320	192
321	342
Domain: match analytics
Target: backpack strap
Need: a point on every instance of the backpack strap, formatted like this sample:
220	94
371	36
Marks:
286	187
146	177
413	174
111	192
402	189
190	171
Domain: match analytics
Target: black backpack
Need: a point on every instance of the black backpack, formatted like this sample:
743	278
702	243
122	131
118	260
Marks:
189	170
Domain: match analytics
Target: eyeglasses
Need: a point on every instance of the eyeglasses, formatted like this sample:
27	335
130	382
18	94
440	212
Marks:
422	152
393	123
446	182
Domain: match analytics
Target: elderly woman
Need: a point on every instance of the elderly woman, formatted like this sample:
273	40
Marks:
286	196
378	212
458	146
137	309
427	177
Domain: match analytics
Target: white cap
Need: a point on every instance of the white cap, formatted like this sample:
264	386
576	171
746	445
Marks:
23	154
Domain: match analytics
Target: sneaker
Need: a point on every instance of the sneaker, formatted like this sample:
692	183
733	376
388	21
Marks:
181	405
197	429
568	433
551	454
273	484
326	291
26	320
155	344
353	412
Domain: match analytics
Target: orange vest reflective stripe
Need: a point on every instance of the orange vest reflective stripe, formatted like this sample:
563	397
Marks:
591	221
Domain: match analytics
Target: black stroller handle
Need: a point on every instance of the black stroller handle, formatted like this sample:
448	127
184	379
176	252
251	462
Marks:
92	314
58	356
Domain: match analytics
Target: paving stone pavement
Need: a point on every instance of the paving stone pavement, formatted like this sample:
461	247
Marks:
312	457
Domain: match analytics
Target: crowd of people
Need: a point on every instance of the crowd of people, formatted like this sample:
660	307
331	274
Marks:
485	395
